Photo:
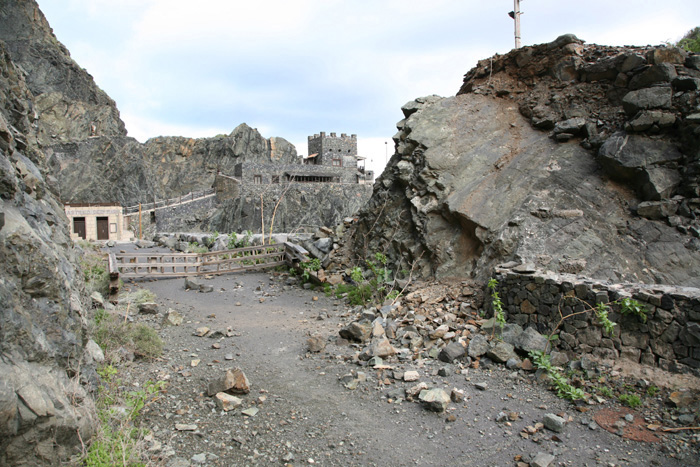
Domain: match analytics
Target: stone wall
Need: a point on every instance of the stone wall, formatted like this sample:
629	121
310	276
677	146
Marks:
187	216
669	339
304	207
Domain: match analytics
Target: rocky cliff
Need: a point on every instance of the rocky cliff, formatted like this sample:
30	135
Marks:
67	104
569	157
44	410
120	169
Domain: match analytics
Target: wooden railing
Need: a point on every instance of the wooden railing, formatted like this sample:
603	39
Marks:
167	203
197	264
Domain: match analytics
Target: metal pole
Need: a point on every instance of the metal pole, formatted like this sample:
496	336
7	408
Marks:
140	237
516	19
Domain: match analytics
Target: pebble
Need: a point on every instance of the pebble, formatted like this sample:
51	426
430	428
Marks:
481	386
185	427
554	422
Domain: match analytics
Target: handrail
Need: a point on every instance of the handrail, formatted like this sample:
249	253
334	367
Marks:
188	198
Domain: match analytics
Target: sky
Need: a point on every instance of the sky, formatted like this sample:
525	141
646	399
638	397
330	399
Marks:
295	68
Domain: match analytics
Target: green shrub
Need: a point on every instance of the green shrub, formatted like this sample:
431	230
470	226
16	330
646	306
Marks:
629	306
631	400
111	333
195	247
138	297
95	274
118	441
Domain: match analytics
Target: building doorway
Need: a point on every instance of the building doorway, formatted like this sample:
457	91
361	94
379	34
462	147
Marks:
103	228
79	227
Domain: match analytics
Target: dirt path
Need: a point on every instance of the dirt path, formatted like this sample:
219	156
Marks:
307	417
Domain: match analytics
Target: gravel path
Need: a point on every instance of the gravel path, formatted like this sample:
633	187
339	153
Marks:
306	416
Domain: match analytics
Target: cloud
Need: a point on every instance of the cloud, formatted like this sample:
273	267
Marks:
296	68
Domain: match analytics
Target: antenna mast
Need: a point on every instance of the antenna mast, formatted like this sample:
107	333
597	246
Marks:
515	14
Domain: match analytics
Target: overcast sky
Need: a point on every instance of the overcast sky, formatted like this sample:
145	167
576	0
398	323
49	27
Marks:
292	68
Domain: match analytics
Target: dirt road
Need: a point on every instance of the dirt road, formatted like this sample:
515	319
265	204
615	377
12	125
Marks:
306	416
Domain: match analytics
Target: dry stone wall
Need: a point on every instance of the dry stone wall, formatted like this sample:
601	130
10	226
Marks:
668	339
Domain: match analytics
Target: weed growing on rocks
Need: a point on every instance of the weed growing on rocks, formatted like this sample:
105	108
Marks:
119	438
497	304
115	335
95	272
629	306
630	400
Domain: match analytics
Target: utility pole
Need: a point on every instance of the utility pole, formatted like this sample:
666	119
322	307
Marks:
515	14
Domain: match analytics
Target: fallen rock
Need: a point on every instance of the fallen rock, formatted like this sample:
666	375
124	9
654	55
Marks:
356	331
554	422
457	395
501	352
148	308
201	331
227	402
233	381
315	344
451	352
542	459
478	346
172	318
191	285
185	427
435	399
414	391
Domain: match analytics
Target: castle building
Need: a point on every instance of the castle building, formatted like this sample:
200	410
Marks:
332	159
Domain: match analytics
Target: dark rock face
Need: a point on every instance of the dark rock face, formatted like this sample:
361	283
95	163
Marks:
305	207
475	181
43	411
120	169
68	105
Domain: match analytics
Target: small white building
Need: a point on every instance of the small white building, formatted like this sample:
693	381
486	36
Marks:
97	221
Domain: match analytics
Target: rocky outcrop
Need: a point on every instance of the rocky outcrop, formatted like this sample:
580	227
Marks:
302	209
538	159
68	105
120	169
44	410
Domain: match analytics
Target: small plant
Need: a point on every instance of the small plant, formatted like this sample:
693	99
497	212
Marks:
393	295
601	312
242	241
497	304
212	239
605	391
312	265
630	400
564	389
195	247
138	297
111	333
652	390
629	306
95	272
118	438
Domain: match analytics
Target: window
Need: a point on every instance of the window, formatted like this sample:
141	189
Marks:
275	179
337	162
257	179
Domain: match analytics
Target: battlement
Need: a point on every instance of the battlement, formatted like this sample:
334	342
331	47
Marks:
332	135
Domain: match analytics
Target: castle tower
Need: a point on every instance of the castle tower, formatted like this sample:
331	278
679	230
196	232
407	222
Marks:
332	150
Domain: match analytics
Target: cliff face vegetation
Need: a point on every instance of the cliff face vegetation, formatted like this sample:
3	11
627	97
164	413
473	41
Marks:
574	158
